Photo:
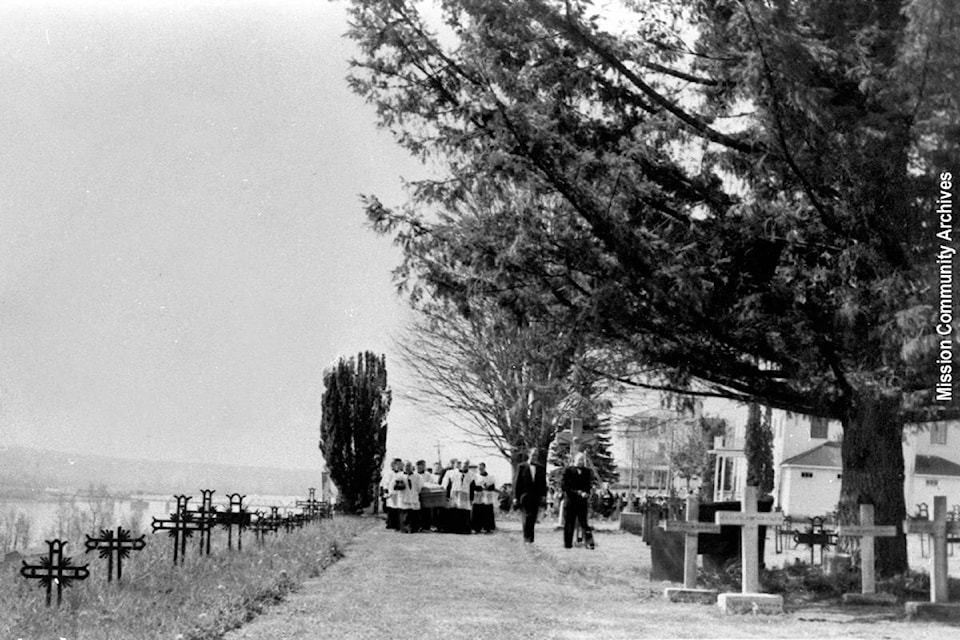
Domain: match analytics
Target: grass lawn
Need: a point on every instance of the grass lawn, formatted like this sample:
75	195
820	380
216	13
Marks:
396	586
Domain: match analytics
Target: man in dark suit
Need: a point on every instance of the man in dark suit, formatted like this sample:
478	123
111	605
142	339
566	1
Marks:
529	488
576	484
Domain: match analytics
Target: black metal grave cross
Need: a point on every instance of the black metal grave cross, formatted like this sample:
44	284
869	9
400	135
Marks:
56	568
109	545
815	535
234	516
263	525
181	526
312	507
206	517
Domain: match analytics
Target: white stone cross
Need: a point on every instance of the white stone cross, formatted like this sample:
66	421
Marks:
575	437
691	529
749	520
867	531
938	529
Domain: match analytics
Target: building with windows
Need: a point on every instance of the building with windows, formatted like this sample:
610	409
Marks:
809	470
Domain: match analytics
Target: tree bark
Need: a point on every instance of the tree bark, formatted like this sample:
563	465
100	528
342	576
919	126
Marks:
873	471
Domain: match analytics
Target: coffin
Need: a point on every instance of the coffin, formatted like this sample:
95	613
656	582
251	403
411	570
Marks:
433	497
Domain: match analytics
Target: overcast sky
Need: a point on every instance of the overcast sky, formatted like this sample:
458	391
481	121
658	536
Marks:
182	248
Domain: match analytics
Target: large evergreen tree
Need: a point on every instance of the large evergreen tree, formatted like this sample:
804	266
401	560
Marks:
747	215
353	429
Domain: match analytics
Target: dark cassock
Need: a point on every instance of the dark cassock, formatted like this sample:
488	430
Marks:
485	499
576	484
529	489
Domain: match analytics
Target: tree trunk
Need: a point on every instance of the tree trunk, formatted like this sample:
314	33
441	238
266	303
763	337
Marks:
873	472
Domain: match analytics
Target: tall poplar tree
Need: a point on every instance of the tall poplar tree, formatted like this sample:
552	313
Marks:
353	429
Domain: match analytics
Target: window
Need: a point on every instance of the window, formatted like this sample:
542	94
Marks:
933	483
806	474
938	433
839	476
818	427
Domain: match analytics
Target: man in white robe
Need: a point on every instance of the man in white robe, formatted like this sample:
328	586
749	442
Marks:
484	499
394	485
410	499
460	487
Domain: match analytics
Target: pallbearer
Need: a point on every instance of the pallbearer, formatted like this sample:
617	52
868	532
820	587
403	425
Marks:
484	499
426	479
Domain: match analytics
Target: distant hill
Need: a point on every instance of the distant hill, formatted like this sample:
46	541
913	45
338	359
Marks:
25	471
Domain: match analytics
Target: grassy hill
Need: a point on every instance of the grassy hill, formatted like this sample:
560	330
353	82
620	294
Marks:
24	472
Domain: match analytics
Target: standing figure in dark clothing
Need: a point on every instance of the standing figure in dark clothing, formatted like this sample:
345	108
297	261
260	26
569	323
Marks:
576	484
529	489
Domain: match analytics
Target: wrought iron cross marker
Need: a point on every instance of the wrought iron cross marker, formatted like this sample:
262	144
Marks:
180	526
109	545
56	568
235	516
206	517
312	507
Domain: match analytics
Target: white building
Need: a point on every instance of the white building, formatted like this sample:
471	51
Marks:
808	468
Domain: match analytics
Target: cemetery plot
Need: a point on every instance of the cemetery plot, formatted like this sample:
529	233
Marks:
691	529
749	520
867	531
939	530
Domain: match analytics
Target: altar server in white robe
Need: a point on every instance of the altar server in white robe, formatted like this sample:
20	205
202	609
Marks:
484	499
460	487
410	499
394	483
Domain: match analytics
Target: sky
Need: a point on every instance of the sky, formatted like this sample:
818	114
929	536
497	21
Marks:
182	245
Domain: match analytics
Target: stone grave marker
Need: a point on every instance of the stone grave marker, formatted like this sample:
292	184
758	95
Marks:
575	437
750	599
691	528
110	545
56	569
867	531
939	530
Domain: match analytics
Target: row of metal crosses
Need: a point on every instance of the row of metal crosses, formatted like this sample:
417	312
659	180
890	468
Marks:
58	570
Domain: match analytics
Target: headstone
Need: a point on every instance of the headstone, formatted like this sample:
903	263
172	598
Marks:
750	599
939	529
56	568
691	529
867	531
110	545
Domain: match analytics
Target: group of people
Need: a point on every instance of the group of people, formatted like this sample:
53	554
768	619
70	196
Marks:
468	497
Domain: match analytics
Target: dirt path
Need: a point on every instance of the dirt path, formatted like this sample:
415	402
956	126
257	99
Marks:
392	586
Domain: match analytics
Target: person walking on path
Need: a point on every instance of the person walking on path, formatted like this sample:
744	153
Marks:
529	489
576	484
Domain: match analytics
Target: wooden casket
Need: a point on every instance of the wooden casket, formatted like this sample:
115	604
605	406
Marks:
433	497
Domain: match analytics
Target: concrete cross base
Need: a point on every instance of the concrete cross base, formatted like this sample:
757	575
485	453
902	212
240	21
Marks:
765	603
883	599
698	596
942	611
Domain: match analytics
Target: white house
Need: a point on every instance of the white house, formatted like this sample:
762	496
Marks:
808	468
